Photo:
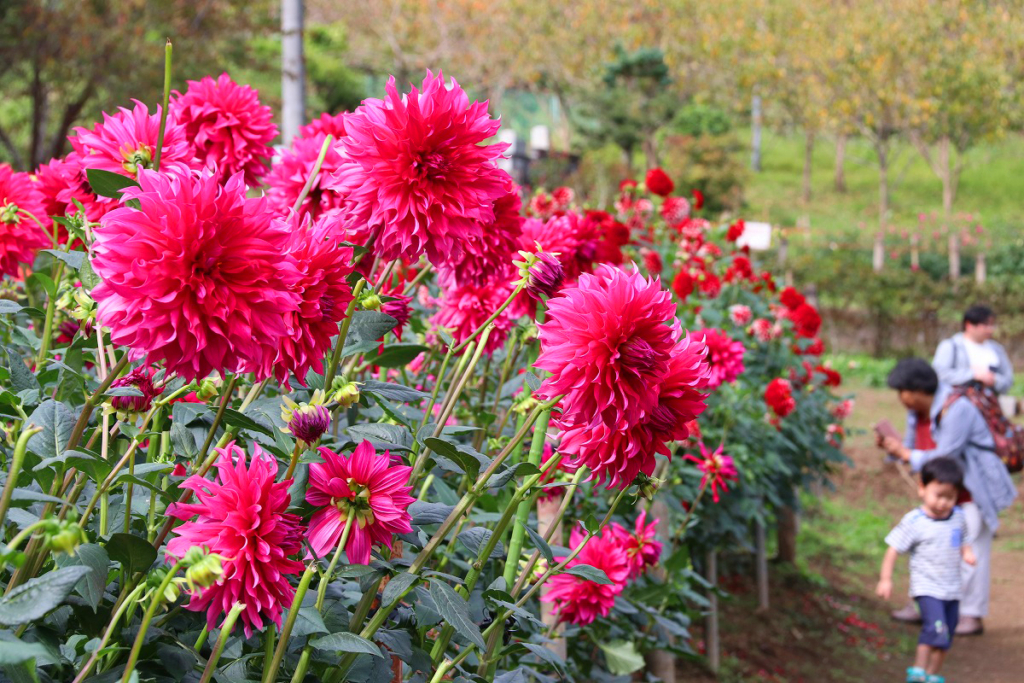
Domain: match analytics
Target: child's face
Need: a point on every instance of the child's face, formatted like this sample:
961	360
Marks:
938	498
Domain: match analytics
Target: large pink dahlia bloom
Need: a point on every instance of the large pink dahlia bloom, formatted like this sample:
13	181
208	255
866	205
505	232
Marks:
227	127
324	296
197	276
20	235
126	142
571	237
417	168
580	601
62	181
725	356
327	124
364	485
292	169
489	257
464	309
241	517
642	549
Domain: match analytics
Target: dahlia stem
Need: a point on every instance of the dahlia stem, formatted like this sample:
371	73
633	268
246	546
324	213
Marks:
294	461
418	279
106	634
343	335
224	401
93	401
17	460
222	639
515	546
51	309
384	277
158	599
433	395
689	513
205	633
270	673
313	174
494	316
321	592
163	109
23	534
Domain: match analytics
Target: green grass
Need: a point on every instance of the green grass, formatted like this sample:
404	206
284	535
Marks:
862	369
833	528
990	188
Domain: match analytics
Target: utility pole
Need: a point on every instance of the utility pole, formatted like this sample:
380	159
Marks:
293	70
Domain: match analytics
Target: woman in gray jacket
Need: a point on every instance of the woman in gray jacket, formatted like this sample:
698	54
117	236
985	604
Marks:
973	356
959	431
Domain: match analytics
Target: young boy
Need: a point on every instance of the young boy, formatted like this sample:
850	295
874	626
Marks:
935	536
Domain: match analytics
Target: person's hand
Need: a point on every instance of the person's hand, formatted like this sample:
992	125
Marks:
895	447
985	376
968	555
884	589
879	439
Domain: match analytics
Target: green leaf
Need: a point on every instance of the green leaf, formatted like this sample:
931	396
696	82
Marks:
308	622
366	330
88	276
388	435
33	599
429	513
454	609
44	281
73	258
107	184
585	571
21	377
242	421
396	355
123	391
57	422
517	675
465	463
8	306
499	479
346	642
133	552
622	657
91	585
392	391
477	537
396	586
540	544
13	652
184	441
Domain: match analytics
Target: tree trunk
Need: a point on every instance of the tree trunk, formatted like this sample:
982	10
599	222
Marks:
840	172
786	534
915	251
878	255
808	162
40	113
980	271
946	176
755	124
711	639
660	663
293	70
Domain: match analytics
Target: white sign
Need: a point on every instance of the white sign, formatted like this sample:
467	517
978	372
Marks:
757	236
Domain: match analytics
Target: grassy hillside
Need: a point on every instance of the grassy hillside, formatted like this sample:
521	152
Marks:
991	188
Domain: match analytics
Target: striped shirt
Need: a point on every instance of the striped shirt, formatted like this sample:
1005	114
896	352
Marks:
934	546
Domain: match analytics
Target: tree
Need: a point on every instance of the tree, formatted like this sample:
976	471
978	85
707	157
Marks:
62	62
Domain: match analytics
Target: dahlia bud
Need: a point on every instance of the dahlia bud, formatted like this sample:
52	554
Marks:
307	422
207	390
153	581
140	378
64	537
136	159
370	302
648	485
204	571
541	272
346	393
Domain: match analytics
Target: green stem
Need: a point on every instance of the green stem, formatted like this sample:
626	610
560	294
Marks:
224	401
294	461
204	634
163	109
332	369
418	279
222	639
270	673
106	634
23	534
51	309
154	604
313	175
17	460
494	316
515	546
321	592
93	401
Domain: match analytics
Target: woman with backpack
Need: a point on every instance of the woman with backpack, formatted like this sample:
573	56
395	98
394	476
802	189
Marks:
959	429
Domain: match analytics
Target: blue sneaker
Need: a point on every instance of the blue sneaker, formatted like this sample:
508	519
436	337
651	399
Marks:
935	678
916	674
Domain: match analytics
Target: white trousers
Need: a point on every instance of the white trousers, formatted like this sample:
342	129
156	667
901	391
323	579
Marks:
977	579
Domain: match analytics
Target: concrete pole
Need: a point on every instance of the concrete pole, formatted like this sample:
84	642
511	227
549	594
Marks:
293	70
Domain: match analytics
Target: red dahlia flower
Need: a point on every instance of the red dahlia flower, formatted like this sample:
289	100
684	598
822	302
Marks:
642	549
740	314
791	298
718	469
698	200
327	124
61	181
464	309
675	210
20	235
683	284
488	257
417	169
658	182
227	127
140	378
725	356
735	231
779	397
580	601
241	517
806	320
365	486
196	276
292	169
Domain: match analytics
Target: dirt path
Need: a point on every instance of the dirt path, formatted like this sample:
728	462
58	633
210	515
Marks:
998	655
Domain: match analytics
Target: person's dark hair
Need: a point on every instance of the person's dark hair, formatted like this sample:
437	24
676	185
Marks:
943	470
978	315
914	374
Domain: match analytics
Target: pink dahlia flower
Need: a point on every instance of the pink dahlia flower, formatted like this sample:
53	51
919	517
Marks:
324	296
20	235
488	258
227	127
607	345
464	309
642	549
580	601
62	181
570	237
740	314
675	210
327	124
365	485
398	306
197	276
140	378
241	517
292	169
126	142
717	467
725	356
417	169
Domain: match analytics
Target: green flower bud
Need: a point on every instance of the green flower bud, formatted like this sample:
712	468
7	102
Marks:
346	393
65	537
205	572
207	389
370	302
